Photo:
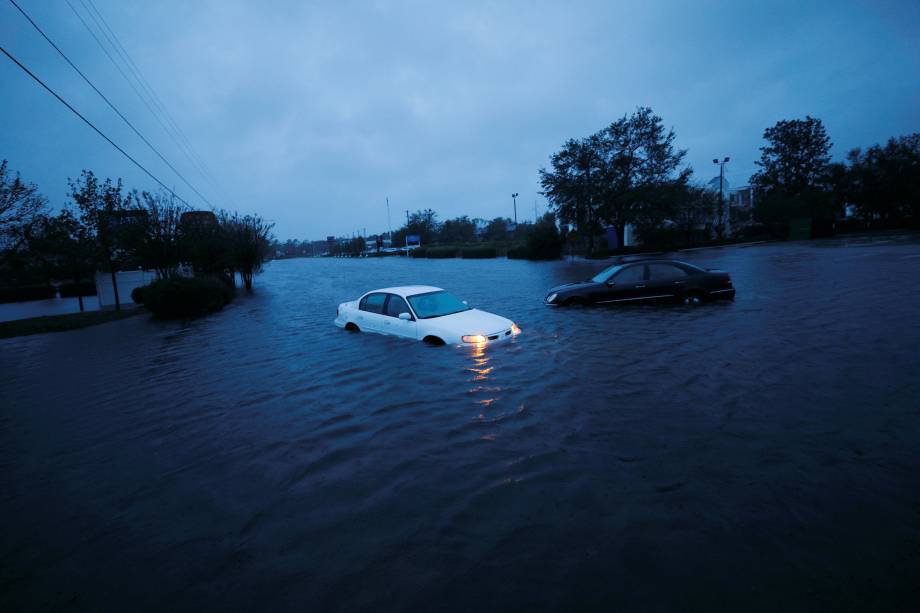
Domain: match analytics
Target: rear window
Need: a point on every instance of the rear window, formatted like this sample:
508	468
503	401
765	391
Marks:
373	303
665	272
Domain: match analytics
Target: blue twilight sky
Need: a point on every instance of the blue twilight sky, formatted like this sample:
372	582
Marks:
311	113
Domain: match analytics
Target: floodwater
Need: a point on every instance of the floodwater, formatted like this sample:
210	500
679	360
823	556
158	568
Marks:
760	455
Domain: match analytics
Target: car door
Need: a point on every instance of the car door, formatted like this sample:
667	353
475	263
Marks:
665	281
393	324
625	286
370	312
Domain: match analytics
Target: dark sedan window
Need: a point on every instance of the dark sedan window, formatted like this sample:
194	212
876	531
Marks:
373	303
665	272
396	305
633	274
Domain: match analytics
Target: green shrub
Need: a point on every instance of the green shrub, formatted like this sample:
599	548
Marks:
442	252
419	252
71	290
137	294
475	253
26	293
183	297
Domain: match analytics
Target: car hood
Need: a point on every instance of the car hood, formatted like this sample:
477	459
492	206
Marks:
571	287
473	321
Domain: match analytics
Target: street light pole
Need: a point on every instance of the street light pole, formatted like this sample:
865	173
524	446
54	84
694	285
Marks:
720	227
389	225
514	199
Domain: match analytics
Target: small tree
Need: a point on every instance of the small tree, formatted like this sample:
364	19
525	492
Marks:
160	244
249	241
203	243
101	206
20	203
61	247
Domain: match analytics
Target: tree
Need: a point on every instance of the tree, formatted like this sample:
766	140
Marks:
640	170
249	239
20	203
793	176
572	187
697	207
884	182
61	248
627	172
458	230
497	229
102	211
160	244
202	242
544	241
423	224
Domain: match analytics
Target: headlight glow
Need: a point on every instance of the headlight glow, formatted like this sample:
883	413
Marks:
473	338
514	329
551	297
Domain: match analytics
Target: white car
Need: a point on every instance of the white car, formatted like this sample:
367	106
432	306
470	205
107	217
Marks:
423	313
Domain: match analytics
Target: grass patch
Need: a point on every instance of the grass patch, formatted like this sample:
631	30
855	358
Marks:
62	323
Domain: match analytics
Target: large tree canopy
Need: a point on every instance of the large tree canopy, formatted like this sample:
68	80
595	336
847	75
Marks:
628	171
793	180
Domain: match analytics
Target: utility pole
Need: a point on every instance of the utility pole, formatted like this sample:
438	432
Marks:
514	199
407	231
389	226
535	210
720	226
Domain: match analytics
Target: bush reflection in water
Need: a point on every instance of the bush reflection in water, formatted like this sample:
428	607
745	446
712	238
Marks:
742	455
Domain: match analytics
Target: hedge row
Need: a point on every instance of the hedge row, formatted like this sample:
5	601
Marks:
183	297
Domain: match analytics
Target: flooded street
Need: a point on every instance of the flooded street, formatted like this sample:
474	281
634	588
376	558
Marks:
757	455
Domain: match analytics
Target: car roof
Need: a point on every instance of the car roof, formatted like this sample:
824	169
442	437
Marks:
406	290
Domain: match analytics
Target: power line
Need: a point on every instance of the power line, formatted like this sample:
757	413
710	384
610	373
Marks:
107	101
142	95
90	124
120	49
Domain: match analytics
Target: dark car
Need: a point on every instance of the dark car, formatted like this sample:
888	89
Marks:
646	281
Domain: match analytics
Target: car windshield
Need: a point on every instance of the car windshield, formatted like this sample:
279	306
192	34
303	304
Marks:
436	304
604	275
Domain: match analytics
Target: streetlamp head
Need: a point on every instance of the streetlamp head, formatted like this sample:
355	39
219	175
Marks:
715	161
726	158
514	195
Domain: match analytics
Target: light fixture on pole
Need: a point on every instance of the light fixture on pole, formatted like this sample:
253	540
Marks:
514	199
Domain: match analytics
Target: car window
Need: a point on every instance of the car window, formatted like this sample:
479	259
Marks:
436	304
373	303
665	272
632	274
396	305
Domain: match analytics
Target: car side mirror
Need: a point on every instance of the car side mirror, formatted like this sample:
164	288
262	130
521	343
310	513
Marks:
405	316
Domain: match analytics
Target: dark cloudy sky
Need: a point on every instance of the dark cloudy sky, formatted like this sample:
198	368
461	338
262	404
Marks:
311	113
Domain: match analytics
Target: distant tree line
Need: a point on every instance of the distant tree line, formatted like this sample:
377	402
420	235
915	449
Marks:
107	228
631	173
